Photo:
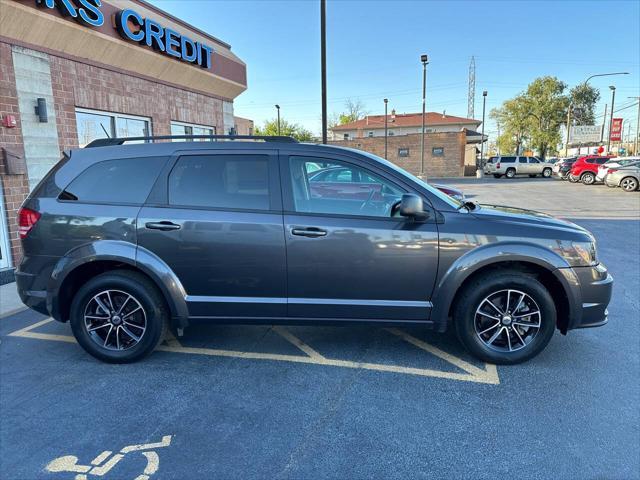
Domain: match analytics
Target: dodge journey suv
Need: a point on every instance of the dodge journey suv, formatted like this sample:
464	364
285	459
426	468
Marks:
127	240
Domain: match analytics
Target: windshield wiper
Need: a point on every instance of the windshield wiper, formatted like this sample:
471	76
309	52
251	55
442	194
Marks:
469	205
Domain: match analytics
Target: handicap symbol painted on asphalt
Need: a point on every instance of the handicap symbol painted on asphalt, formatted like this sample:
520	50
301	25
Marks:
103	463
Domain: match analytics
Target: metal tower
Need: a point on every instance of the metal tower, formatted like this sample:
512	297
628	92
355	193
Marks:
472	87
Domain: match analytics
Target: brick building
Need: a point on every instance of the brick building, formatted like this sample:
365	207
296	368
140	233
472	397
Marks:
116	68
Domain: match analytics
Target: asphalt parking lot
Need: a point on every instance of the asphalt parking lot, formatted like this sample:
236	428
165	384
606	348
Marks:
340	402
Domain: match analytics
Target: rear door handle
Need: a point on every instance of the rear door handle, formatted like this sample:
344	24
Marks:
165	226
312	232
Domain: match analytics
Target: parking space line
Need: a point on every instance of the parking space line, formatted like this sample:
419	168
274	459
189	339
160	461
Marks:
290	337
489	375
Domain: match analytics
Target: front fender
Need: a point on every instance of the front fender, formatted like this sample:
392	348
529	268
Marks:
121	252
486	255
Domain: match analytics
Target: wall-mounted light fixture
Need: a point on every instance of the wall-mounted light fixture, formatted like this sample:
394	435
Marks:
41	110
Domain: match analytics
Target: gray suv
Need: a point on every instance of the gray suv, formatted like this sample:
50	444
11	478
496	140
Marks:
125	241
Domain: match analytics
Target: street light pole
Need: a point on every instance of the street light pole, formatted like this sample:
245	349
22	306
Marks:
278	110
323	66
635	147
613	100
425	60
479	172
386	131
566	144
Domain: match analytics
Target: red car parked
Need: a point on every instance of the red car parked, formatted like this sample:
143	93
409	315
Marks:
585	169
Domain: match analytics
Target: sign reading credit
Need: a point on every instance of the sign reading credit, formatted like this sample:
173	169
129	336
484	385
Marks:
134	27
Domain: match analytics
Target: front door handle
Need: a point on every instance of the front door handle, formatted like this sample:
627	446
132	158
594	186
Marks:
312	232
165	226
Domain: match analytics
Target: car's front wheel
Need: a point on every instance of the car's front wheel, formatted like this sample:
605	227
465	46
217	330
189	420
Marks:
505	318
546	173
119	316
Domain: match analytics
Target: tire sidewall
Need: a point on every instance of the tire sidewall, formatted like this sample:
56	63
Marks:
155	317
510	173
546	173
629	189
465	317
588	178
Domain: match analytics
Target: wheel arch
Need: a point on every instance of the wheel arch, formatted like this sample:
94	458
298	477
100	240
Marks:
87	261
551	269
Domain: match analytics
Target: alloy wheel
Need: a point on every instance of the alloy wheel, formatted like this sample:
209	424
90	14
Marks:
115	320
507	320
588	179
629	184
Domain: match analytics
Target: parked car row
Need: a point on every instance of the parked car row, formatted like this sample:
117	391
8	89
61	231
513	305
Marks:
509	167
591	169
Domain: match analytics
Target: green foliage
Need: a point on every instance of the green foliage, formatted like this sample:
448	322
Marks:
270	128
532	119
583	101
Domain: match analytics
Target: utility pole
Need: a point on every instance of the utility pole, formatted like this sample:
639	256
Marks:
425	60
604	122
566	143
323	66
386	130
498	140
635	147
479	171
613	102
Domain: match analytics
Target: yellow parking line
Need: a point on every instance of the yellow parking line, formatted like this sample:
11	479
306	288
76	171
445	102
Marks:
474	374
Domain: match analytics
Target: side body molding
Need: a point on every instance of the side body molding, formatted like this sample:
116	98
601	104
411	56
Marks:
448	284
126	253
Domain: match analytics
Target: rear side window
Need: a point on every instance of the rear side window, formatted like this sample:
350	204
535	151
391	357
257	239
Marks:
221	181
127	180
600	161
508	160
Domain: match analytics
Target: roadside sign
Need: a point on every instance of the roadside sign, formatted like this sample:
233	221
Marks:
585	134
616	130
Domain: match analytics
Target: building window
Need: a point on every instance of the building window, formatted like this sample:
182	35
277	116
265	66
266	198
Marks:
346	136
370	134
94	124
403	152
391	134
437	151
181	128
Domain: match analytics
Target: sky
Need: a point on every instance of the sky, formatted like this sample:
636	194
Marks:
374	48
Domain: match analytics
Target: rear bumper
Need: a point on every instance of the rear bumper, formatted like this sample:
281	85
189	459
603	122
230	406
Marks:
596	287
32	277
609	181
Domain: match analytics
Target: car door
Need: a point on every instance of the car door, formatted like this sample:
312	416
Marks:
522	166
534	166
215	219
347	257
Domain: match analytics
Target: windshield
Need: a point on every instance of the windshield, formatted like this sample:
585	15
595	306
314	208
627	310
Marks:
412	178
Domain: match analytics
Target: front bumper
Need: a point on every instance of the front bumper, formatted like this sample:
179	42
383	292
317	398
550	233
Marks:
596	286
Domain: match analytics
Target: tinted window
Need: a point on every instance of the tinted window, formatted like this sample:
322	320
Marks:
522	160
342	188
115	181
533	160
508	160
221	181
600	161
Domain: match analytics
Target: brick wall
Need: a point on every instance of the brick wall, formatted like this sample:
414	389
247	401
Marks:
80	85
15	187
451	164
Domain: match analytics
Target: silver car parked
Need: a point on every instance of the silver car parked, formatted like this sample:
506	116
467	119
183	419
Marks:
512	166
627	178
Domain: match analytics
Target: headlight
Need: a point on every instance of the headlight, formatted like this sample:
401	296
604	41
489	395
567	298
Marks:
579	254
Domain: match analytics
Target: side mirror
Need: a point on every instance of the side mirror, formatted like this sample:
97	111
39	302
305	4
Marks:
412	206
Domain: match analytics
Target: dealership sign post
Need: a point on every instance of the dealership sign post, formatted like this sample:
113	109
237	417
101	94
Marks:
585	134
616	130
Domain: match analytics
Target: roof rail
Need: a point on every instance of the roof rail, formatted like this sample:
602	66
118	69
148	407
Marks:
108	142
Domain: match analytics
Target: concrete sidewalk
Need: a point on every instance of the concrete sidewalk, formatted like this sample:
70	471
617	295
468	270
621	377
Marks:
9	300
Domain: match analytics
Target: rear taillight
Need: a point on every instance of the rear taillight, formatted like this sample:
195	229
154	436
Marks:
611	170
27	219
498	165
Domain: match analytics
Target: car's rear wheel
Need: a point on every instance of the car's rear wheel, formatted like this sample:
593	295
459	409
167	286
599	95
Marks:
119	317
588	178
505	318
496	175
546	173
510	173
629	184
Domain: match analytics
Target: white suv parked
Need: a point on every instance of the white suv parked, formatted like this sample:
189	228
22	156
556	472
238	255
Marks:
512	166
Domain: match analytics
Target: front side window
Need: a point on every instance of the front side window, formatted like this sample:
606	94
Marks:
93	125
340	188
221	181
126	180
533	160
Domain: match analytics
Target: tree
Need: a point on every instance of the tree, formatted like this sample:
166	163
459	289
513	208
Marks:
583	99
513	118
354	110
270	128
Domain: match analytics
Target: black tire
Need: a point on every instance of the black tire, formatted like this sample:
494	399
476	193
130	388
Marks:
154	312
496	175
629	184
572	179
547	172
588	178
472	298
511	173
